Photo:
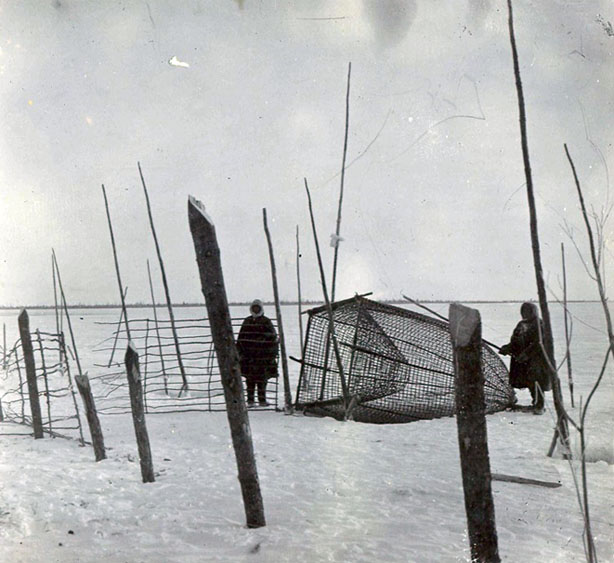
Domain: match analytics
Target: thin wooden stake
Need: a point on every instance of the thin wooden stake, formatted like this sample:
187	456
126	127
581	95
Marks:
45	378
71	387
56	309
4	363
155	313
280	327
85	390
119	324
466	335
539	274
74	344
567	335
117	272
28	356
345	150
212	282
331	320
21	393
138	413
165	284
298	283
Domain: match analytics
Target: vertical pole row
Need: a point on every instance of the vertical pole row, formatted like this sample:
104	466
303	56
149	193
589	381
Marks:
280	326
466	336
212	282
28	356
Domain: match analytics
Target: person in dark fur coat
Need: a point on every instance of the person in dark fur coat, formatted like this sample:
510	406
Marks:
258	348
529	366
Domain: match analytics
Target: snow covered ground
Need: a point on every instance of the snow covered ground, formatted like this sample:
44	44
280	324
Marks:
333	491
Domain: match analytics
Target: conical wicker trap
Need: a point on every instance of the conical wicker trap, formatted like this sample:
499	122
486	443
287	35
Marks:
397	364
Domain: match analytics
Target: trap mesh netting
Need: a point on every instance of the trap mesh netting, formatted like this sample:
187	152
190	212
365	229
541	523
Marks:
398	365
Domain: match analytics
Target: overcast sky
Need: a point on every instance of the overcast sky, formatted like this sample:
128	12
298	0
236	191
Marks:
435	204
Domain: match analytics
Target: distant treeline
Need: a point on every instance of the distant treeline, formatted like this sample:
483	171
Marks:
270	303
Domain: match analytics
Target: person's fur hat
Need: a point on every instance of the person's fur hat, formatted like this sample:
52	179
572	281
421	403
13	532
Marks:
256	308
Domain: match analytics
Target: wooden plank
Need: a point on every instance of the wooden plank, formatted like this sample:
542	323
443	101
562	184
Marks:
525	481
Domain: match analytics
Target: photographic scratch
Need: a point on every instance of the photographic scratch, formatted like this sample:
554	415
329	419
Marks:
174	61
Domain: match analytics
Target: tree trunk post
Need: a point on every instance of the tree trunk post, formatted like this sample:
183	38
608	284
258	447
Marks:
28	356
138	413
212	281
465	332
280	327
85	390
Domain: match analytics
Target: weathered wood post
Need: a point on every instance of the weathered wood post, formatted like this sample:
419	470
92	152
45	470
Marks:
212	281
298	284
85	390
138	413
466	335
28	355
280	327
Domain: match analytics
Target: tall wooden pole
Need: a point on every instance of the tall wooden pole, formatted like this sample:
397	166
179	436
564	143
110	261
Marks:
539	274
567	334
298	283
466	335
28	356
73	341
117	272
331	319
169	303
155	313
280	326
119	324
345	150
212	281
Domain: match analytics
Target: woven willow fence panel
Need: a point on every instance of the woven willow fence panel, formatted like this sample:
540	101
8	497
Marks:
397	363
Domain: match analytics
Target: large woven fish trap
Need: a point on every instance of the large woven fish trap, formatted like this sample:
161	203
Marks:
398	365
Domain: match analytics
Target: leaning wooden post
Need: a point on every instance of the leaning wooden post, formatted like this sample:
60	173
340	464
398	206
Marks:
155	314
466	335
212	281
169	303
85	390
138	413
567	335
331	318
117	272
280	326
28	355
117	332
557	396
337	239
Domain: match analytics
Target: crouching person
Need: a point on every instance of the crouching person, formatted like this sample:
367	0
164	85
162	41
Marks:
258	349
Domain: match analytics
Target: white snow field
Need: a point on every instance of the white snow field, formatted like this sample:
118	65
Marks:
333	491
